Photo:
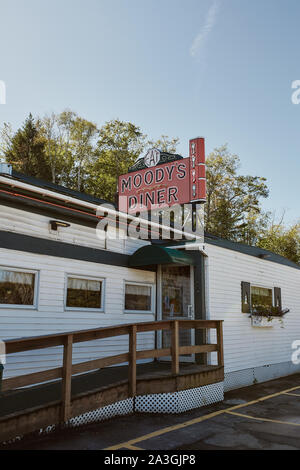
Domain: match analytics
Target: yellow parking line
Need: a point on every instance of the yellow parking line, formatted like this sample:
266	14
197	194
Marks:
262	419
166	430
292	394
198	420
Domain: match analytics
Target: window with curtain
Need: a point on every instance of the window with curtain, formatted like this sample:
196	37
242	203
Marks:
16	287
138	297
84	293
261	297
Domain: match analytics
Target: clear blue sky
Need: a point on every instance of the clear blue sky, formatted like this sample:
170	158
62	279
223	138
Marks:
221	69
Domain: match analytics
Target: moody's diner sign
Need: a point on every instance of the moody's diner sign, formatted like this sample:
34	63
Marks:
160	179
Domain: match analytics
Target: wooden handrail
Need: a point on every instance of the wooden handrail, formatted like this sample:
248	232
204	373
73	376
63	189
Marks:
220	343
68	339
46	341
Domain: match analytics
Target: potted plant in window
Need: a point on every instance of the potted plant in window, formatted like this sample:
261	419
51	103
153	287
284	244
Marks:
263	316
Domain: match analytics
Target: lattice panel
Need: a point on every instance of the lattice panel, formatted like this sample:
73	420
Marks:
117	409
202	396
180	402
246	377
158	403
238	379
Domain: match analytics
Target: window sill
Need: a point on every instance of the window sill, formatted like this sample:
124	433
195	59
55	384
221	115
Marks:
83	309
141	312
16	307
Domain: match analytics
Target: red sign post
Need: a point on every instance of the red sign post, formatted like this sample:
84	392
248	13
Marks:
197	170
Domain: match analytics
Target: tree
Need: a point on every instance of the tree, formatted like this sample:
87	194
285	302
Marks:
27	151
232	199
281	239
256	224
55	129
119	145
6	136
82	135
165	144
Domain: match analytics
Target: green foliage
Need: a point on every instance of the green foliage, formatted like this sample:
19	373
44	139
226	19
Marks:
26	151
233	207
6	135
282	240
82	140
165	144
119	145
72	151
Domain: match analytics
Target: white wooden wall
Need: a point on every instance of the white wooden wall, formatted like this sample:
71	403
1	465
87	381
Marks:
36	225
244	345
51	317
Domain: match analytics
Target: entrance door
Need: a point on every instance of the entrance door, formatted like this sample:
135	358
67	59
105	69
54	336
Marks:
176	303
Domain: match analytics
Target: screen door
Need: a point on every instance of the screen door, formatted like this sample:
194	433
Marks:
176	293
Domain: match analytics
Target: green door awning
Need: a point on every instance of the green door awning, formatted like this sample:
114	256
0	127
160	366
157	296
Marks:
152	255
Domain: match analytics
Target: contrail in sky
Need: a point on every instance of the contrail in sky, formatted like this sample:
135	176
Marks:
209	23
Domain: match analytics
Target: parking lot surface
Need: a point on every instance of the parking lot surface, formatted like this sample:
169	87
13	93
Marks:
263	416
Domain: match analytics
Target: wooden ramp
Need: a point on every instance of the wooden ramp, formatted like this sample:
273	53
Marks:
63	396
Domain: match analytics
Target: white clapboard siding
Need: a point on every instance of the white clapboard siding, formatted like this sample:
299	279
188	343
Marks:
51	316
36	225
244	345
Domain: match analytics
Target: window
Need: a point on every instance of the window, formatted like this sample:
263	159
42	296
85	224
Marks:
138	297
84	293
17	287
261	298
257	299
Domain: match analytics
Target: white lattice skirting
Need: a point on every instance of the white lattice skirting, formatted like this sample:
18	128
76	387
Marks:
180	402
246	377
177	402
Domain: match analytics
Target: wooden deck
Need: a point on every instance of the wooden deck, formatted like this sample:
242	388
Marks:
153	377
24	410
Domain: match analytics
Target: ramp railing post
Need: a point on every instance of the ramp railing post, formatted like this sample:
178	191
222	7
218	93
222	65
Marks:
132	361
220	343
67	379
175	347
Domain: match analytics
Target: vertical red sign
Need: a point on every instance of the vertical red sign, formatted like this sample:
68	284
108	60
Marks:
197	170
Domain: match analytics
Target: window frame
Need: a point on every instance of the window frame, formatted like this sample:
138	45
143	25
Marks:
146	284
101	309
36	273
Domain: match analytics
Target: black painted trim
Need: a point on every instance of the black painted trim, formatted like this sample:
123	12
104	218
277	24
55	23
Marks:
20	242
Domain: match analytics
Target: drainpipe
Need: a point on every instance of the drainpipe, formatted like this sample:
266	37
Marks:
199	301
2	361
1	375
